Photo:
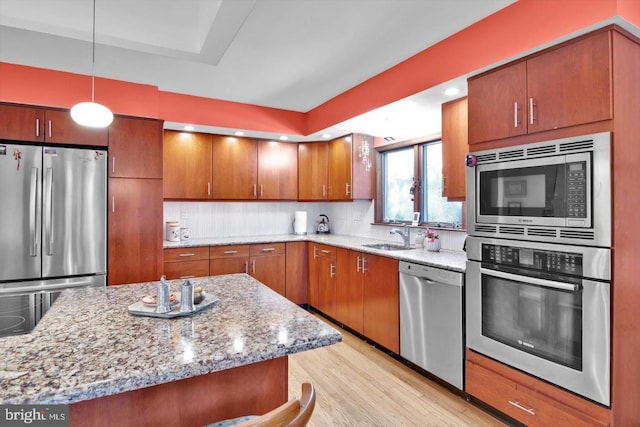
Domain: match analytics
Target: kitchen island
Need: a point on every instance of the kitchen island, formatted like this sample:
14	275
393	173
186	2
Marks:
114	368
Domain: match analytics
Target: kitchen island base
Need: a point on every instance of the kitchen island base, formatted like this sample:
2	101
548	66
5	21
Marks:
246	390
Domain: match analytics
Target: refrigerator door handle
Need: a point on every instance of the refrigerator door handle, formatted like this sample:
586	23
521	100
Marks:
33	213
48	211
49	287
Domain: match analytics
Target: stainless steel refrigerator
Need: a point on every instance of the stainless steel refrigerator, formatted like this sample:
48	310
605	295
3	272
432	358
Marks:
53	228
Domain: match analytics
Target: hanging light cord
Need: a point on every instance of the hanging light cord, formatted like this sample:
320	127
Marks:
93	54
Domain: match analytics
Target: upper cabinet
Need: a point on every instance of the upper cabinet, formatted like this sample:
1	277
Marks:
341	169
565	86
187	165
135	148
25	123
277	170
454	148
235	168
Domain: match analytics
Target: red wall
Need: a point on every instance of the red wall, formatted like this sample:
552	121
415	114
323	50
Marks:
522	26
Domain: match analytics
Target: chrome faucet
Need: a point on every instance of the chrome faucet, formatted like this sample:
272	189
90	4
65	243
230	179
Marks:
405	233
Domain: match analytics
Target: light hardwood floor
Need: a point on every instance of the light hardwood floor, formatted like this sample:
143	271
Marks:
359	385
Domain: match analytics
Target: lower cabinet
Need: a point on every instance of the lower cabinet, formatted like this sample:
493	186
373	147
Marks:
185	263
228	259
296	281
350	290
527	399
135	230
381	301
327	271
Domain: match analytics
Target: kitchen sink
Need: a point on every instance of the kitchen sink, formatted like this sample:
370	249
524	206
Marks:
386	246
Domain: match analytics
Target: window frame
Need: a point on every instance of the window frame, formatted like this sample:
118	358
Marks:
417	168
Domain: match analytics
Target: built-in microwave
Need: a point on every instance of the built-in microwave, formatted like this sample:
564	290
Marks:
559	189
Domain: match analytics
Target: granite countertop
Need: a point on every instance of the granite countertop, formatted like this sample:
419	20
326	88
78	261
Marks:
88	345
447	259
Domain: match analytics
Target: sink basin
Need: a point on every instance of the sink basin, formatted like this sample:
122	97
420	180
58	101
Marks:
386	246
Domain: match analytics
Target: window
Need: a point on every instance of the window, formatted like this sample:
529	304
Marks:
398	178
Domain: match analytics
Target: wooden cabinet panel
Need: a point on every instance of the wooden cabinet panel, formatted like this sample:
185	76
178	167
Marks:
296	281
267	249
270	270
186	254
232	265
327	285
454	148
313	158
570	85
229	251
60	128
187	165
135	148
381	302
525	403
186	269
349	289
497	104
339	170
312	277
277	170
235	168
21	123
363	167
135	230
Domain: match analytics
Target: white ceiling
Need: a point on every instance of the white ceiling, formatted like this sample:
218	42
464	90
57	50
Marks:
289	54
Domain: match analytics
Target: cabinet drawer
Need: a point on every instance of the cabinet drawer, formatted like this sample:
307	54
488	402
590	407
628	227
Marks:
187	269
520	402
324	251
268	249
186	254
229	251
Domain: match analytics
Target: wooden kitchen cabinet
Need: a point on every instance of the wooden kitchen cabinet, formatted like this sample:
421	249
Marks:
455	145
561	87
362	167
350	289
296	281
228	259
381	301
47	125
135	230
339	181
527	399
277	170
322	278
312	274
313	161
187	165
268	265
135	148
186	263
235	168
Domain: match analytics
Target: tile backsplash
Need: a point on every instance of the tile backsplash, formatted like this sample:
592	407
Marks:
228	219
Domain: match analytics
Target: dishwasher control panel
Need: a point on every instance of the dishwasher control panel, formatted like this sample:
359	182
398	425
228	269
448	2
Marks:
432	273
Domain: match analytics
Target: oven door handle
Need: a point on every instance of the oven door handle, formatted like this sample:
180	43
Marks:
531	280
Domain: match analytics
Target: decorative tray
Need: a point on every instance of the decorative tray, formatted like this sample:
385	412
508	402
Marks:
141	309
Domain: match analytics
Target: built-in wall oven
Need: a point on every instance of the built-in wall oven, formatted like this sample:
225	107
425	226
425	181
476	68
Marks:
543	191
539	260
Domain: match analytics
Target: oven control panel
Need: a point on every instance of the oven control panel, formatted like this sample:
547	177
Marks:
534	259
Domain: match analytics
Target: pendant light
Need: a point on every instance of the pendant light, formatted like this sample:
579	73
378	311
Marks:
92	114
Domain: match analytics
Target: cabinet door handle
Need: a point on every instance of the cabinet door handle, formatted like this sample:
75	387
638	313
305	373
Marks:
253	266
261	190
208	188
50	134
113	204
346	188
364	269
187	254
230	252
324	190
324	251
332	271
519	406
358	265
268	249
255	190
515	115
315	252
532	116
38	127
113	164
246	267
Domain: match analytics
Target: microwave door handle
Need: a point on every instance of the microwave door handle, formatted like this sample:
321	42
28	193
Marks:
531	280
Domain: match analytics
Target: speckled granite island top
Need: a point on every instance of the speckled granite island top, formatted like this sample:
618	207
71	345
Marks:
88	345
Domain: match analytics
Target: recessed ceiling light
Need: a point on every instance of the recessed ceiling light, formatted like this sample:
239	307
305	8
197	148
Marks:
189	128
284	138
326	135
238	133
452	91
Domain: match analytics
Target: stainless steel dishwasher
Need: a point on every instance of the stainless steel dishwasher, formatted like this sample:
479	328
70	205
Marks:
431	320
